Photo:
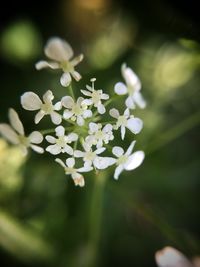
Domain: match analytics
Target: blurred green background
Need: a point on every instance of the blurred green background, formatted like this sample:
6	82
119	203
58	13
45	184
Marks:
44	219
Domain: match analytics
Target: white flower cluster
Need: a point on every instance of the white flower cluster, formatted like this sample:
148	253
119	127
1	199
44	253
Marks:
82	137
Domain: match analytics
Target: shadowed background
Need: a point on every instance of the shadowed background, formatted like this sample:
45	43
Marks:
44	219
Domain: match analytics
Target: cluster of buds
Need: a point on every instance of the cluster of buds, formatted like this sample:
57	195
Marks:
81	138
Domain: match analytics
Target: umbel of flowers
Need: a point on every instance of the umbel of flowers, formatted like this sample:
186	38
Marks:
81	140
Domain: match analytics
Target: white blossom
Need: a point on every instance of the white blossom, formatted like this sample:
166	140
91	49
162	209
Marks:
91	157
126	121
132	88
126	160
95	97
171	257
60	144
74	172
99	135
15	134
31	101
61	53
76	111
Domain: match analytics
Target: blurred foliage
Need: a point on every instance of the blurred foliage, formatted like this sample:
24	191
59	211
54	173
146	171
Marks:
44	219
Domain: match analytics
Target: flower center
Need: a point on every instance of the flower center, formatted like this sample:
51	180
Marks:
61	141
99	135
122	120
47	108
24	140
66	66
122	159
77	110
89	156
96	97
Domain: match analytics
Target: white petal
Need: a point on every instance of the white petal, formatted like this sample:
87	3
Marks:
45	64
118	171
67	102
39	116
30	101
86	93
130	148
36	137
101	109
78	179
77	60
135	125
130	102
86	168
9	133
54	149
68	150
65	79
107	128
48	96
50	139
59	161
56	118
120	89
15	121
60	131
87	102
102	163
93	127
123	131
170	257
37	149
58	49
100	150
76	75
58	106
72	137
87	114
67	114
117	151
105	96
78	154
134	161
70	162
131	78
80	120
139	100
114	113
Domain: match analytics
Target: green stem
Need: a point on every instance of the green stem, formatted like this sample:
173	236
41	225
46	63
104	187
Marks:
95	218
71	91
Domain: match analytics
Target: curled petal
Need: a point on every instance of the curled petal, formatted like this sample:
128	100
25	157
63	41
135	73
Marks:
50	139
123	131
105	96
36	137
78	154
120	88
68	150
139	100
80	120
15	121
76	75
131	78
9	133
130	148
72	137
60	131
85	92
45	64
48	96
102	163
87	114
58	106
30	101
59	161
114	113
87	102
93	127
78	179
67	114
58	49
130	102
134	161
101	109
77	60
65	79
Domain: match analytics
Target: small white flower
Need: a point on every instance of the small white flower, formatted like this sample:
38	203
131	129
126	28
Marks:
171	257
31	101
127	161
126	121
61	52
98	135
76	111
15	134
132	88
74	172
91	157
60	144
95	97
